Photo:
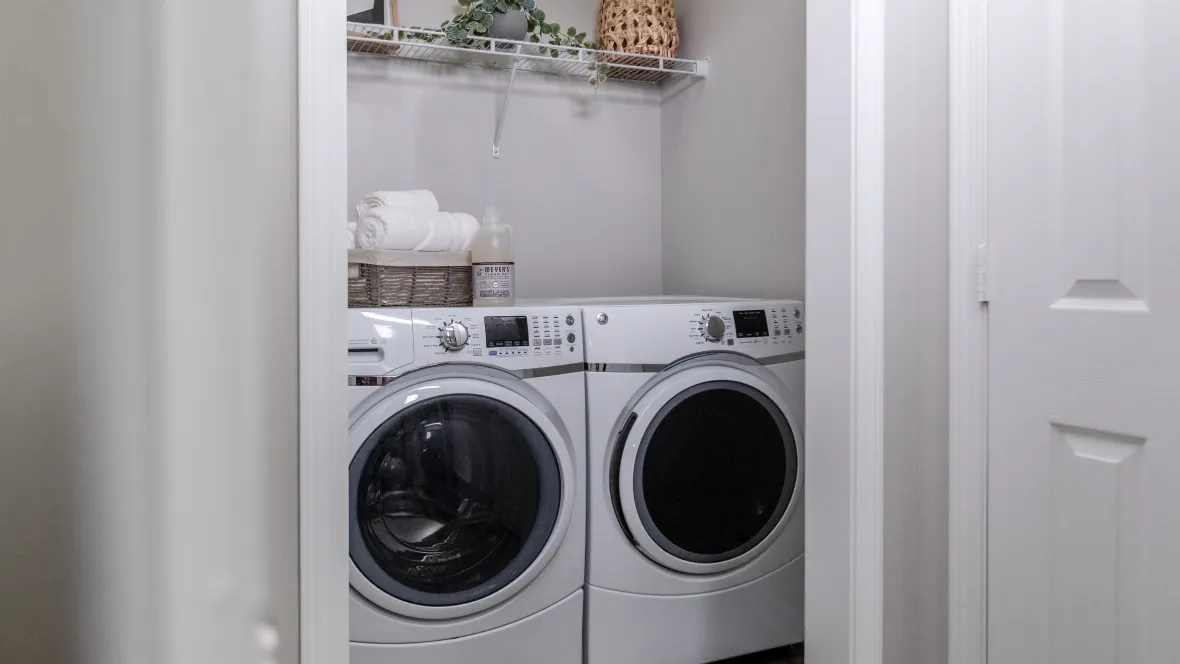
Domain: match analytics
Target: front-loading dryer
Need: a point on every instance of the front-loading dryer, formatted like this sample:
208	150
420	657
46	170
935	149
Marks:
466	463
695	465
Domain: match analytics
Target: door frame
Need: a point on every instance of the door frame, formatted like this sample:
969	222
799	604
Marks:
846	341
323	422
968	453
845	381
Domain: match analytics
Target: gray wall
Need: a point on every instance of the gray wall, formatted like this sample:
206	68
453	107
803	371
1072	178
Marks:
579	173
733	152
916	332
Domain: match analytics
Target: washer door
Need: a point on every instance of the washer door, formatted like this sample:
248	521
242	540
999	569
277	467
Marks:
457	497
706	469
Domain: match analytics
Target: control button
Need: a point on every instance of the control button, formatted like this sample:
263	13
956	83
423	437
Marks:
799	328
570	337
478	352
714	328
493	352
536	342
797	313
453	336
548	342
571	349
569	320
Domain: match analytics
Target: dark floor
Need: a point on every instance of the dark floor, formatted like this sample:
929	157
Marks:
789	655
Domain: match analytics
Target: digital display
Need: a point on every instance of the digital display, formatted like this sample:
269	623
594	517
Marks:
750	324
506	331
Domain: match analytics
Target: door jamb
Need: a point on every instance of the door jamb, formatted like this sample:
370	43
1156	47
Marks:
968	453
846	44
323	426
845	306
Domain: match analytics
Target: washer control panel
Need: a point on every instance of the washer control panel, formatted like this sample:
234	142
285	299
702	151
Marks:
548	335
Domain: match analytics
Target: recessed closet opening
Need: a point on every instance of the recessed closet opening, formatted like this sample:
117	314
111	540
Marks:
691	186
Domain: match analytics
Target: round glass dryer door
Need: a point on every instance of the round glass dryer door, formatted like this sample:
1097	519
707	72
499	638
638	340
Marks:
707	471
454	498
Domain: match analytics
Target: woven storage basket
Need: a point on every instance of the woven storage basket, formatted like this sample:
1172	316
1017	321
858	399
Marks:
646	27
408	278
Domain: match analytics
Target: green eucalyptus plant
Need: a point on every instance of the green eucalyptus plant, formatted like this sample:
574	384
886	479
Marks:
470	30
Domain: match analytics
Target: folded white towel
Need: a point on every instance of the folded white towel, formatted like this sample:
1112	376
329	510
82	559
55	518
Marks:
398	228
468	226
350	233
420	200
441	233
393	228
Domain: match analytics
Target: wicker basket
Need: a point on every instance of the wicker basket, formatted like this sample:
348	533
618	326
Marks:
408	278
646	27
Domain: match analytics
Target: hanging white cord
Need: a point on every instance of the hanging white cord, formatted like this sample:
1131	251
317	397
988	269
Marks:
504	112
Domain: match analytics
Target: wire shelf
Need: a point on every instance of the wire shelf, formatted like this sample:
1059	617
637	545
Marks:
432	46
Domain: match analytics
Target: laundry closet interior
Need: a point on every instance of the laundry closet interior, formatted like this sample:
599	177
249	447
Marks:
684	177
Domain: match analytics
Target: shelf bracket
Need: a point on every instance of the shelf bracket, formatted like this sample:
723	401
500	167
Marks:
504	111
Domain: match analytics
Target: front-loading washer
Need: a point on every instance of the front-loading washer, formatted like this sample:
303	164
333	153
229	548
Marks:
695	466
466	462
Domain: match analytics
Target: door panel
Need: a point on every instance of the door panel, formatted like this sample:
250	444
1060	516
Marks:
1097	188
1084	373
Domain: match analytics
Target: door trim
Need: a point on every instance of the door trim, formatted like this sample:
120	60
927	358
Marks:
968	453
868	333
323	194
844	602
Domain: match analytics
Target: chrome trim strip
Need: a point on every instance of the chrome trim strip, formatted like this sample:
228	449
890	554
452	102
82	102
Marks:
524	374
370	381
543	372
601	367
782	359
605	367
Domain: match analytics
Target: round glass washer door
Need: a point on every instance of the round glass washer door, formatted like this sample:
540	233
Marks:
707	470
459	494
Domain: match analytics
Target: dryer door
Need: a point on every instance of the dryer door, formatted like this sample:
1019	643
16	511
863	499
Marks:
707	469
460	492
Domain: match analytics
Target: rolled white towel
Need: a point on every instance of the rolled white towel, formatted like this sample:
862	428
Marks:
468	226
393	228
350	232
444	233
420	200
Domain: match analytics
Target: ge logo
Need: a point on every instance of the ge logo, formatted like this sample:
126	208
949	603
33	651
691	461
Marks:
374	341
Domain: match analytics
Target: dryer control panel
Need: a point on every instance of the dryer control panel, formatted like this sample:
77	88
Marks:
778	324
655	333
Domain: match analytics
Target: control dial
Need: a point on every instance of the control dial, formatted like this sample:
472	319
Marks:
713	328
453	336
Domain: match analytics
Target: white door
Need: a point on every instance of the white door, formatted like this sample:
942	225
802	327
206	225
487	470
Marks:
1084	331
